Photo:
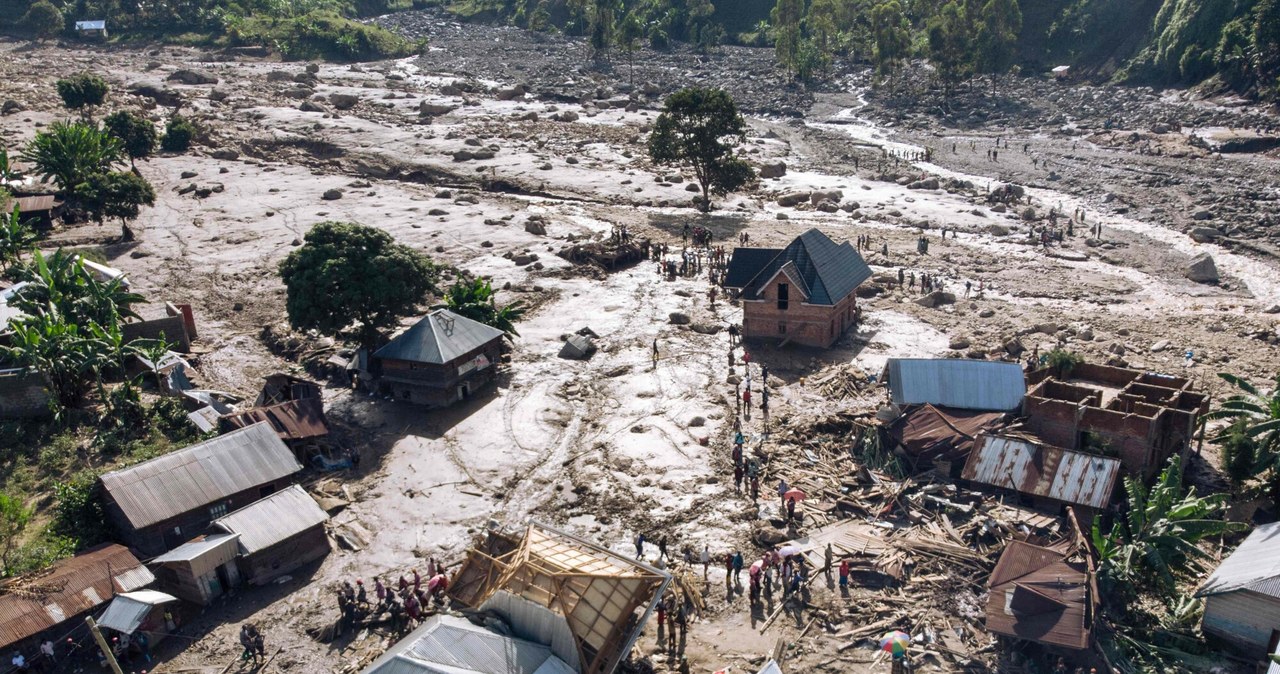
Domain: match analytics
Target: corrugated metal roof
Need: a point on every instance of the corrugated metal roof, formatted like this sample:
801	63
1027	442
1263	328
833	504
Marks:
1041	470
193	550
34	204
1255	565
273	519
746	263
293	420
70	587
1275	666
192	478
441	336
449	645
129	609
953	382
927	432
829	271
1038	595
99	24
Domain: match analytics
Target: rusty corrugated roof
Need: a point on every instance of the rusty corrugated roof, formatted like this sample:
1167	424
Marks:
35	204
191	478
293	420
927	432
1039	595
1042	470
67	589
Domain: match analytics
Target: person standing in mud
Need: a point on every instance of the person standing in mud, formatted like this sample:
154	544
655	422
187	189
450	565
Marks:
737	478
655	353
640	546
755	488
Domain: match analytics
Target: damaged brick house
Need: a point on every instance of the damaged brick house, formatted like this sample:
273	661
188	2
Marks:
1141	418
803	293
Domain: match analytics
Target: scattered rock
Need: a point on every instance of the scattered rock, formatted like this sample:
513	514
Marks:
191	77
311	106
433	109
331	195
926	184
679	318
343	101
959	343
11	106
937	298
1202	214
819	196
1205	234
773	169
536	227
1202	269
188	174
986	313
225	154
793	198
279	76
1160	346
697	422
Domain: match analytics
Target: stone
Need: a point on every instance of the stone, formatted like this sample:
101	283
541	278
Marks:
1202	269
1046	328
1205	234
279	76
437	211
11	106
218	95
225	154
997	230
793	198
566	116
343	101
986	313
679	318
782	216
1160	346
427	108
312	106
819	196
513	93
188	174
331	195
191	77
697	422
692	187
1273	309
536	227
162	95
1117	348
1202	214
486	244
959	343
937	298
828	206
773	169
524	259
926	184
313	68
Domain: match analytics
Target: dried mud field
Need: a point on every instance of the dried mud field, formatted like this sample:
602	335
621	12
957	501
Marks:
613	445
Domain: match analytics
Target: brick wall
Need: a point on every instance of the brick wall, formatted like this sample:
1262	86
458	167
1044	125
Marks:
807	324
23	396
173	328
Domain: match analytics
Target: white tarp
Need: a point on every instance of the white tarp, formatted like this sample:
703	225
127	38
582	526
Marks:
129	609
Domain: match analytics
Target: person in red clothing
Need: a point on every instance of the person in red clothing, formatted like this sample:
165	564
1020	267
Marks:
844	575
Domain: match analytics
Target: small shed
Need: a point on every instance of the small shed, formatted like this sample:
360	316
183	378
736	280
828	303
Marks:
578	347
140	611
200	570
985	385
95	28
277	534
446	644
35	211
1242	597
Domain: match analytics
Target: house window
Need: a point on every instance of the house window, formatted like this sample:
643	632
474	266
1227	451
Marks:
782	328
784	296
216	511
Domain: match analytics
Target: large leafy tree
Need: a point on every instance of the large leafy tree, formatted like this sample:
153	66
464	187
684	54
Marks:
474	299
117	194
949	39
137	134
83	91
350	278
701	128
43	20
68	153
1156	541
997	34
1251	442
891	34
786	17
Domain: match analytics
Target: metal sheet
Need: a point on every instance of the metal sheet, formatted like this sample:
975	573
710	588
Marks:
192	478
1041	470
274	519
954	382
293	420
127	611
440	337
1037	595
1255	565
448	644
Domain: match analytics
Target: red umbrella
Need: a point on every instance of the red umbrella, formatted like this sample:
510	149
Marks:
793	493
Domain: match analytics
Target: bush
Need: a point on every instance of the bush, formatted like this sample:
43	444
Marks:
322	35
77	511
136	133
178	134
83	90
42	20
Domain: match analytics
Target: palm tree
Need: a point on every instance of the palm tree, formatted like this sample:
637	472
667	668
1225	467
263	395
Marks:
475	300
1157	539
60	283
16	238
1254	431
68	153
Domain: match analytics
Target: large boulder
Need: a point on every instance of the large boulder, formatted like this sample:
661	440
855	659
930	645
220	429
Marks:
937	298
793	198
926	184
428	108
1202	269
773	169
513	93
679	318
156	92
819	196
1205	234
191	77
343	101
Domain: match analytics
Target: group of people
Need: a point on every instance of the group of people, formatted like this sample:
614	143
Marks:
405	602
253	642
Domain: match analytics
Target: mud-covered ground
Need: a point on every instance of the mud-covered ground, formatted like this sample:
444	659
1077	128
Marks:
613	446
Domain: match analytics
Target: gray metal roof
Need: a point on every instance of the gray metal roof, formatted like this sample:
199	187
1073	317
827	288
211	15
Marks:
274	519
1255	565
1041	470
952	382
829	271
746	263
99	24
204	473
127	611
441	336
193	550
450	645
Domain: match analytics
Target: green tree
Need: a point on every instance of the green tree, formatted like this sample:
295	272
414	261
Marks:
178	134
630	30
949	40
117	194
1255	415
997	34
16	238
59	350
701	128
474	299
43	20
14	518
824	25
786	17
601	25
1266	43
348	276
83	91
68	153
136	133
700	29
892	36
1156	541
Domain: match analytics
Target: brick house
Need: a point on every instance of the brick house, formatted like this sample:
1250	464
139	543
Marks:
442	359
160	504
803	293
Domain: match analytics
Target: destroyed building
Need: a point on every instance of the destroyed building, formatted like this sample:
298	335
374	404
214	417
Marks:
1048	478
159	504
444	358
587	604
1047	595
938	437
1242	596
1142	418
803	294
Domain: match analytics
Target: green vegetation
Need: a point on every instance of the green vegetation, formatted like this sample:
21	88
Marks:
43	20
1062	362
1251	443
319	35
14	518
178	134
349	279
16	238
136	133
474	299
83	91
115	194
701	129
68	153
